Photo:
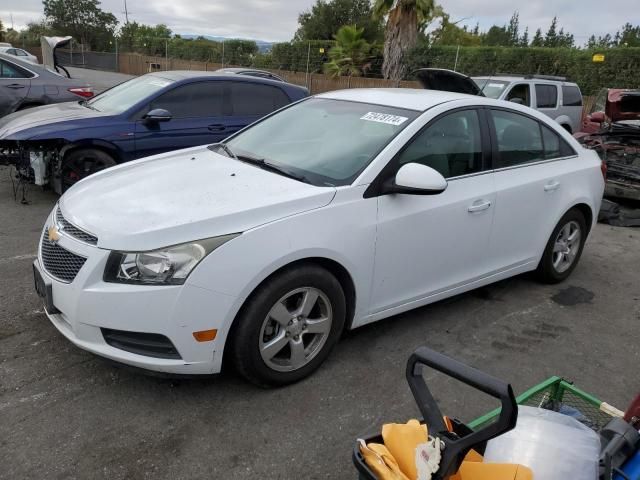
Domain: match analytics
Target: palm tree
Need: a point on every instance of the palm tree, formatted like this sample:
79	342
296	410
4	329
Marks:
404	19
350	53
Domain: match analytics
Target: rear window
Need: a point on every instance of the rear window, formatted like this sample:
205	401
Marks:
546	96
571	96
255	99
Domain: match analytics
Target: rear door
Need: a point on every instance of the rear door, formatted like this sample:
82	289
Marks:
197	118
533	169
546	99
15	83
250	101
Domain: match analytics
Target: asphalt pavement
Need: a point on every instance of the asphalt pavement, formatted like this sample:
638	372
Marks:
66	414
98	79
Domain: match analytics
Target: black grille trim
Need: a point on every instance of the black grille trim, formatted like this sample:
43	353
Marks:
58	261
140	343
73	231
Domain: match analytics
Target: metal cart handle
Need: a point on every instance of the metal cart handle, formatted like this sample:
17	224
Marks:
455	447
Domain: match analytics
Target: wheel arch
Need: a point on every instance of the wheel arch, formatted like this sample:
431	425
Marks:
97	144
333	266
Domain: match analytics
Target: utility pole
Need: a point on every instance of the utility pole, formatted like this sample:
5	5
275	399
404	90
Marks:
223	53
126	13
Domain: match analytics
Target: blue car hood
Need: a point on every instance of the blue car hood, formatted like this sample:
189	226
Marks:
46	121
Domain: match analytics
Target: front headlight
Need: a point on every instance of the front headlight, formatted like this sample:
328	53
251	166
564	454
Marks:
166	266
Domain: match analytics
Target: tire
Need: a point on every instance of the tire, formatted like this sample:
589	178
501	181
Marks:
274	322
556	266
81	163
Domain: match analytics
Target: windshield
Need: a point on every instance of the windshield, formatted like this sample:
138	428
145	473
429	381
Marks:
491	88
122	97
328	142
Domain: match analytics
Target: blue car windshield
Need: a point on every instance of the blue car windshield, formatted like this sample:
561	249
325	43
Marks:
124	96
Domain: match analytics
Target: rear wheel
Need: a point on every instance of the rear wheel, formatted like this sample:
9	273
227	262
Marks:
564	248
81	163
289	326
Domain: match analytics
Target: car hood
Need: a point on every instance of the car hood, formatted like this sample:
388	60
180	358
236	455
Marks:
446	81
183	196
623	105
48	118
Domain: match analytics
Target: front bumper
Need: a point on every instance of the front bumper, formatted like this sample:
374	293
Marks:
87	304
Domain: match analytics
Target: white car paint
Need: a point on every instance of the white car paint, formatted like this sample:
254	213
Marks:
400	251
20	53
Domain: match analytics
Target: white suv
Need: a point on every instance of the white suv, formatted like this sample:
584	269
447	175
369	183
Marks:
337	211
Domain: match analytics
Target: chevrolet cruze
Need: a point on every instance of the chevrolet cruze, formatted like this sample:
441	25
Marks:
334	212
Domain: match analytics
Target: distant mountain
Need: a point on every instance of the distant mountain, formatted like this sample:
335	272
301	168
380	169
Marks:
262	45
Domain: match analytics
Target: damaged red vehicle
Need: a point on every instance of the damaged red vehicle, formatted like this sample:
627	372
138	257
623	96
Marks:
612	128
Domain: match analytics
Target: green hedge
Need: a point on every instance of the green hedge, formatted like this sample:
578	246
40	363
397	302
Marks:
621	67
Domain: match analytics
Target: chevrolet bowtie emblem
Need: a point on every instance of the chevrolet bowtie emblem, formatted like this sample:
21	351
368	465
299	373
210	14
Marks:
53	233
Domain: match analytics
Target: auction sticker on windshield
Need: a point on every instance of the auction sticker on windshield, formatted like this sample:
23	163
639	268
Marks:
384	118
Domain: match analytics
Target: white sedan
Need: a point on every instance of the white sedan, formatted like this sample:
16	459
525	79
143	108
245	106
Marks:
20	53
334	212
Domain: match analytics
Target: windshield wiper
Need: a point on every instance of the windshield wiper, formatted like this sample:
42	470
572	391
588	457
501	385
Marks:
262	163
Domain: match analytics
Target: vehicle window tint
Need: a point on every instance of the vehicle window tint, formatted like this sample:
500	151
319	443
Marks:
11	51
554	145
201	99
451	145
21	53
600	102
255	99
519	139
8	70
571	96
522	92
546	96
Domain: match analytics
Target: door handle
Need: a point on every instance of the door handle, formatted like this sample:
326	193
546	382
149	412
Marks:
217	127
479	206
15	86
551	186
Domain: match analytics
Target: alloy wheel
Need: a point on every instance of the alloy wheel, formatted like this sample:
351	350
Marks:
566	246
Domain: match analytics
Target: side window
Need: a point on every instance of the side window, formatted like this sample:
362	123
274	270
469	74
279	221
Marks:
546	96
452	145
600	102
554	145
521	92
194	100
8	70
571	96
519	139
12	51
248	99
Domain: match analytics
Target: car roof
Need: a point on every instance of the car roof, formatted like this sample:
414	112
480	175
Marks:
409	98
182	75
513	78
240	69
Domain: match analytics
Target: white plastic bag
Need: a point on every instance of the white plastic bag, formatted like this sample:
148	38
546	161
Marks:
554	446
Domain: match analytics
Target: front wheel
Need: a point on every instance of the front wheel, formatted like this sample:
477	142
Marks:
289	326
81	163
564	248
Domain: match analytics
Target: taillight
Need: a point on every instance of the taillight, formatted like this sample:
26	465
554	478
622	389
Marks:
603	169
84	92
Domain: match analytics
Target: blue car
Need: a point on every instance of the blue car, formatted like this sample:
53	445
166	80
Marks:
151	114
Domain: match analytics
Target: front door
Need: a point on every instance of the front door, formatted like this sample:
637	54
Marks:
428	244
15	83
197	118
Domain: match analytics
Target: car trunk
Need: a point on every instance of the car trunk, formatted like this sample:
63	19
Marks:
446	81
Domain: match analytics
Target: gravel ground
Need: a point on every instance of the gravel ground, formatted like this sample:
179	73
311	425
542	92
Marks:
66	414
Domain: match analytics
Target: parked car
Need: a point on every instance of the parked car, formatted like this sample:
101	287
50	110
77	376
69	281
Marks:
5	44
23	85
554	96
20	53
612	128
154	113
252	72
337	211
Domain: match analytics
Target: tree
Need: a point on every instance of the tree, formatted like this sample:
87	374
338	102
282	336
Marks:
84	20
551	38
524	40
538	39
496	36
450	33
513	30
629	36
349	54
405	18
326	16
1	31
137	37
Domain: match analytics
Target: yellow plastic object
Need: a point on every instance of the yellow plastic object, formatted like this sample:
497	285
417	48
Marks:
492	471
381	462
402	439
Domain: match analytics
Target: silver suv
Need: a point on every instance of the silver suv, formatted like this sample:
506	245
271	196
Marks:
553	96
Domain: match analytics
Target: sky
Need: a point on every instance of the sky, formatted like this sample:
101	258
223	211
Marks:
276	20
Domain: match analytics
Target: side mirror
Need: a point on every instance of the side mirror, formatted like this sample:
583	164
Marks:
597	117
517	100
416	179
158	115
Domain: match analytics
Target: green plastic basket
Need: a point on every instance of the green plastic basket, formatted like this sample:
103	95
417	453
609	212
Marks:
555	392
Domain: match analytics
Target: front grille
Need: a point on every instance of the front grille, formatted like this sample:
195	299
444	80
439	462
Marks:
74	231
148	344
60	262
